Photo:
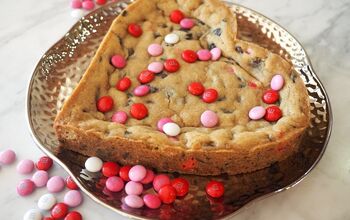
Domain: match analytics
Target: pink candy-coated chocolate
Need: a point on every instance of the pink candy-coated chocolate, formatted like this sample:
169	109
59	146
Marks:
7	156
215	53
88	5
159	181
40	178
120	117
141	90
25	166
187	23
118	61
209	119
162	122
155	50
152	201
257	113
133	188
55	184
148	178
73	198
76	4
133	201
156	67
25	187
137	173
204	54
114	184
277	82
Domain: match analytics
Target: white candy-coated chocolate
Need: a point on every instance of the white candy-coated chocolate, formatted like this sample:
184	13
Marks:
93	164
171	38
46	201
32	214
171	129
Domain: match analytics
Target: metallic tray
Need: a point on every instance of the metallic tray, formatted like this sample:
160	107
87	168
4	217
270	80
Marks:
61	67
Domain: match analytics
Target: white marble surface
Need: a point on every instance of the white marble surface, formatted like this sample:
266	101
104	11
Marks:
28	28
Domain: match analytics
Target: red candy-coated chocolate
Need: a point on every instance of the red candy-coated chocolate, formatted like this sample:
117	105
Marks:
74	215
273	113
167	194
105	104
181	186
270	96
71	184
210	95
123	84
124	172
159	181
146	76
148	178
101	2
171	65
215	189
152	201
138	111
47	218
59	211
189	56
135	30
44	163
196	88
110	169
176	16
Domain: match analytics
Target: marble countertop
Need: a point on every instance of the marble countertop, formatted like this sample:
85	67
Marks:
28	28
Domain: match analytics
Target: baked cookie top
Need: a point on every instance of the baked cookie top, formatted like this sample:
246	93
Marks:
180	62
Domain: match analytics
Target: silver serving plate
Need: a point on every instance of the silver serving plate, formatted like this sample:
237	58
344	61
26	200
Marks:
61	67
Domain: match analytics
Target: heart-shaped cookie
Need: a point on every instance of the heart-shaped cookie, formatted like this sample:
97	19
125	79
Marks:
171	87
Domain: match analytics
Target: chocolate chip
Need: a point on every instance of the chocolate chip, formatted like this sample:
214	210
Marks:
129	94
125	13
217	32
239	49
164	25
211	46
189	36
163	75
221	99
129	102
200	22
255	62
126	133
209	144
120	41
130	51
149	102
184	29
153	89
156	34
226	111
293	77
242	85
